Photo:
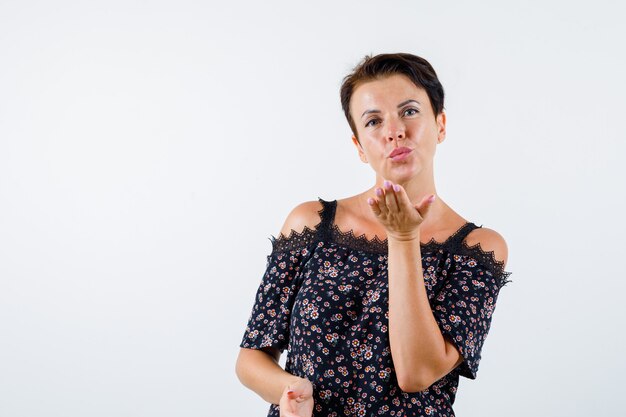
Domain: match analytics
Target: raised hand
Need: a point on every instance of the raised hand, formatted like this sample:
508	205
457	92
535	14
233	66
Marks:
397	213
297	399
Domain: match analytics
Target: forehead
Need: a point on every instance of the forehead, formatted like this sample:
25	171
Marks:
387	91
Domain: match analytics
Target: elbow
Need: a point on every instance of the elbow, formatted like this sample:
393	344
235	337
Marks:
413	387
413	383
249	361
241	368
238	368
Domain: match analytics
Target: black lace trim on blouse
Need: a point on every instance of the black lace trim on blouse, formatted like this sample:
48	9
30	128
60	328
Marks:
297	240
326	230
487	259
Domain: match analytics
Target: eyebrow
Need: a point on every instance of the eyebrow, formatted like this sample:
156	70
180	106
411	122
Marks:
404	103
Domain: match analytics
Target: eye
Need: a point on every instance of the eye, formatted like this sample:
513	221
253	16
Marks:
411	111
371	122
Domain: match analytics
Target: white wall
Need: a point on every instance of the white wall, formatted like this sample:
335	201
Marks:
149	149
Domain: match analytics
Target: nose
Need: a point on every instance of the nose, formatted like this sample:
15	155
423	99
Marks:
395	131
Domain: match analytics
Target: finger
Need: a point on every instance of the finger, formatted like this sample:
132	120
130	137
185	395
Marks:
382	204
402	197
286	407
286	402
300	392
298	397
390	196
295	393
424	206
289	408
373	203
286	413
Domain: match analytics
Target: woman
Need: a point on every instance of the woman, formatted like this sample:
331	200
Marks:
387	321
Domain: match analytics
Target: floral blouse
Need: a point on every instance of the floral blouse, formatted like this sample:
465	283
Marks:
324	297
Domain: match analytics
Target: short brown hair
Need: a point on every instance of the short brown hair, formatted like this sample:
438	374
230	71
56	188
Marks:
417	69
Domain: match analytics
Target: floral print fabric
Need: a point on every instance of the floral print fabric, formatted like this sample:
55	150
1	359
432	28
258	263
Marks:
327	304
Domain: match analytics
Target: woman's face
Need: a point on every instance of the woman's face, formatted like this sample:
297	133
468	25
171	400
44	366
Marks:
392	113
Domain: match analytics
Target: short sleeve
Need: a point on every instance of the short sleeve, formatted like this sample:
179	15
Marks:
464	307
268	324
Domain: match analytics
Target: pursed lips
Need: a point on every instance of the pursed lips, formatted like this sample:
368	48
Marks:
399	151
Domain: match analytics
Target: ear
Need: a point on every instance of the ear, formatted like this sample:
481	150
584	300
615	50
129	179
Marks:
359	149
441	127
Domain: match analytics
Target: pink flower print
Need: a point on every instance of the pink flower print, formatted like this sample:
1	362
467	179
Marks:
478	283
325	394
332	338
344	287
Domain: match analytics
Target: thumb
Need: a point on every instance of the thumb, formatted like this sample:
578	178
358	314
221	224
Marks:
424	206
293	392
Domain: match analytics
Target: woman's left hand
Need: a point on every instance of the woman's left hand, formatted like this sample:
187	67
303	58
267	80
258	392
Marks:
397	213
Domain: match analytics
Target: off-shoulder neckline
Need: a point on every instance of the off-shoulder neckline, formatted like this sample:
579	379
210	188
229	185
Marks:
361	242
347	239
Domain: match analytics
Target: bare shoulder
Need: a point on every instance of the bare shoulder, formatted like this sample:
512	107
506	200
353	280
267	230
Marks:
490	241
303	215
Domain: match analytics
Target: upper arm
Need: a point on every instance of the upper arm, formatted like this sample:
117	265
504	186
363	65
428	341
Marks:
490	241
303	215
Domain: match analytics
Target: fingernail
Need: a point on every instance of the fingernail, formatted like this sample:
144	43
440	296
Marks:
370	201
396	187
431	198
387	184
379	192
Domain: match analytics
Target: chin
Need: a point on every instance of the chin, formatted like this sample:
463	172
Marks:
402	175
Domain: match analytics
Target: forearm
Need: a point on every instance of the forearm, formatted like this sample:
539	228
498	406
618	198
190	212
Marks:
261	373
417	343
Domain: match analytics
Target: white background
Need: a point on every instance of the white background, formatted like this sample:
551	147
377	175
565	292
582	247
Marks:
149	149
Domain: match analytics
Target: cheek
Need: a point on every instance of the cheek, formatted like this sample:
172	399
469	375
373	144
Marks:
374	151
426	132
